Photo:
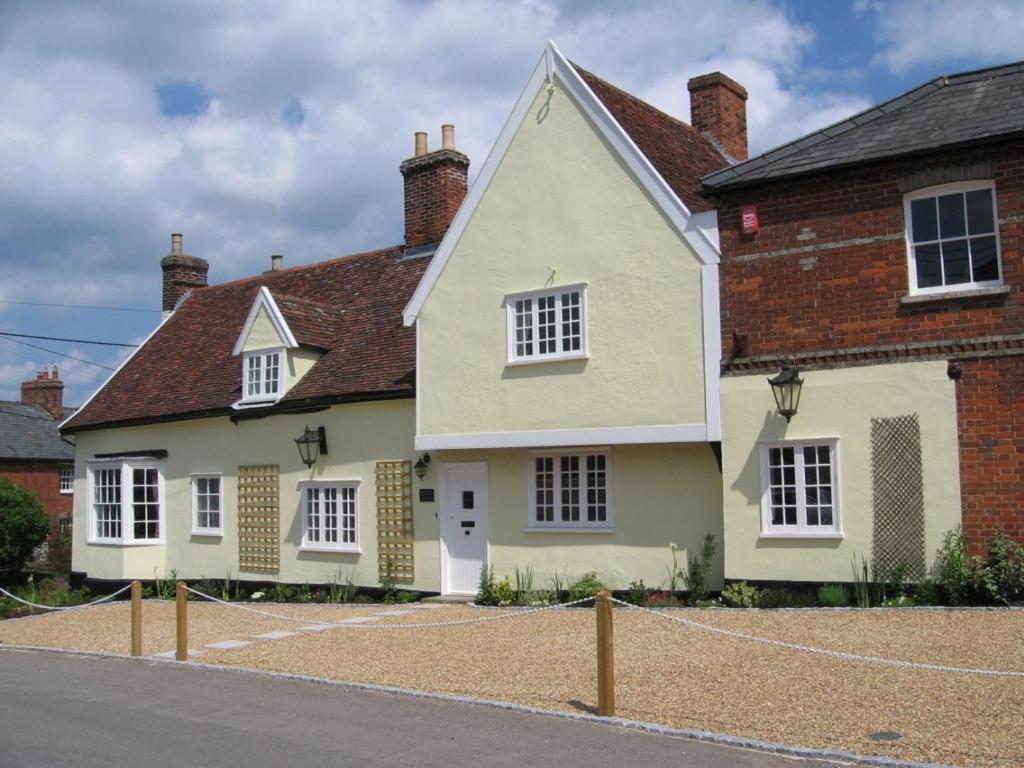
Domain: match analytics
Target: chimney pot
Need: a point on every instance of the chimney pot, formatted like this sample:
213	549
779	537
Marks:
275	262
421	144
176	244
718	108
447	136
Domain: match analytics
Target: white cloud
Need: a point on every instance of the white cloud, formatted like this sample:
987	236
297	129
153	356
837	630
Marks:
929	31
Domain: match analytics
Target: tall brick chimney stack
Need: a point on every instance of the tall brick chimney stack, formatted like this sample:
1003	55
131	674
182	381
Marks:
47	391
182	273
718	108
435	185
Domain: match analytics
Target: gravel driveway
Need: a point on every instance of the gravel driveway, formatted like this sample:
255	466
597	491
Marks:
665	672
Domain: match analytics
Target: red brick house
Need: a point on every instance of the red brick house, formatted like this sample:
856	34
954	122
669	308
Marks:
32	452
881	256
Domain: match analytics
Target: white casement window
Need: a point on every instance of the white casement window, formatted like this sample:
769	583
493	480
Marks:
207	505
126	502
262	376
800	489
67	479
953	238
330	516
570	490
547	325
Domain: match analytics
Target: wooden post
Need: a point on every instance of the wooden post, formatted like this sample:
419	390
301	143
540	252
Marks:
136	618
181	596
605	656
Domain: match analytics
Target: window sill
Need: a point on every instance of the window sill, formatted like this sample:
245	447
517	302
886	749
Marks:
335	550
116	543
970	293
829	535
209	534
541	360
66	493
542	529
242	405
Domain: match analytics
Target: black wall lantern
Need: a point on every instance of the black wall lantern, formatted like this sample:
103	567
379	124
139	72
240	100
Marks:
786	388
421	465
312	445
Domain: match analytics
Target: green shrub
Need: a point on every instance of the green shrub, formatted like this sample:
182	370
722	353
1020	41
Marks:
485	591
58	554
739	594
833	596
779	597
927	593
637	594
407	597
503	592
586	585
23	526
696	577
387	582
953	567
1001	576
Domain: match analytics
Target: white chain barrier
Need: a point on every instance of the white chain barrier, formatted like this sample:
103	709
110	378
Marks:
819	651
374	625
64	607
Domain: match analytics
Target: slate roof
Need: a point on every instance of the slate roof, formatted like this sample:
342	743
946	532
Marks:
950	110
27	432
186	370
680	153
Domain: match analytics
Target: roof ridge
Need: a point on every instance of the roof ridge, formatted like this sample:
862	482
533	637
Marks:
973	74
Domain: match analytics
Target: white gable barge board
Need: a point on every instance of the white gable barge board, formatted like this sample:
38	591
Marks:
552	438
692	230
266	301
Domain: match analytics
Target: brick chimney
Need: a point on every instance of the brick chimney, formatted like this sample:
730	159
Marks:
435	185
718	109
47	391
182	273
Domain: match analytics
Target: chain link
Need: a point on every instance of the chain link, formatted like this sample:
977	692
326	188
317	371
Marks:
820	651
64	607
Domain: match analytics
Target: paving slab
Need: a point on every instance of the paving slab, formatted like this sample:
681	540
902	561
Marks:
395	613
275	635
315	628
359	620
229	644
173	654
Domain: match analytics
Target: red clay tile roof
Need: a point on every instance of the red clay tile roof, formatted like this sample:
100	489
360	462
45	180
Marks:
677	150
186	369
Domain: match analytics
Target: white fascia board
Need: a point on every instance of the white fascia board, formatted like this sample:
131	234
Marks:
264	299
117	370
549	438
712	350
707	223
552	63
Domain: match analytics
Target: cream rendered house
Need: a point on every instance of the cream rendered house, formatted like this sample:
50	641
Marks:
552	362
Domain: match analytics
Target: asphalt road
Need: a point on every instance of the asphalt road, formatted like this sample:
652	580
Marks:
58	710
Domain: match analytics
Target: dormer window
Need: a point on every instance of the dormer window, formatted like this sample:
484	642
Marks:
262	376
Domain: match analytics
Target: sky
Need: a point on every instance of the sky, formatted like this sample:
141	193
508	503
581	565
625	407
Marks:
256	127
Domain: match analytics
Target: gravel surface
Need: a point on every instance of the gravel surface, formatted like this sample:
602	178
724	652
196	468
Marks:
665	672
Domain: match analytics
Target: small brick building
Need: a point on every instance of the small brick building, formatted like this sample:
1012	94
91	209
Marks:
32	452
884	241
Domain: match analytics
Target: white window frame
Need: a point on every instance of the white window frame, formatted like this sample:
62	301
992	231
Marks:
319	546
66	479
127	537
938	191
512	358
801	530
198	530
261	397
570	526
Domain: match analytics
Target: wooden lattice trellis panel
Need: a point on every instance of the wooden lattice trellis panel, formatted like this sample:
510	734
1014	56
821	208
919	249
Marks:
259	519
898	495
394	520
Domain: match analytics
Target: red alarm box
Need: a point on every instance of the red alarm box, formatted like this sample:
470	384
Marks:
751	223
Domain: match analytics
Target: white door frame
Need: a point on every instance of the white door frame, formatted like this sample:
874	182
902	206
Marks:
443	470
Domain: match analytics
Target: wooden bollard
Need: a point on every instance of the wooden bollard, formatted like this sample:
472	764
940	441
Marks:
605	656
136	618
181	598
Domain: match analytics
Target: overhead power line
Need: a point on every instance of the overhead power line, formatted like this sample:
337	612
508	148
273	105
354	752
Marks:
59	354
73	341
77	306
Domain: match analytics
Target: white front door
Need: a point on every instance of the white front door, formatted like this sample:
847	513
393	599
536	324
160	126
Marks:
463	526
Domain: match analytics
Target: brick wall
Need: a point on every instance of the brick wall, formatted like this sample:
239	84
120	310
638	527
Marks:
435	186
828	268
990	416
43	478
